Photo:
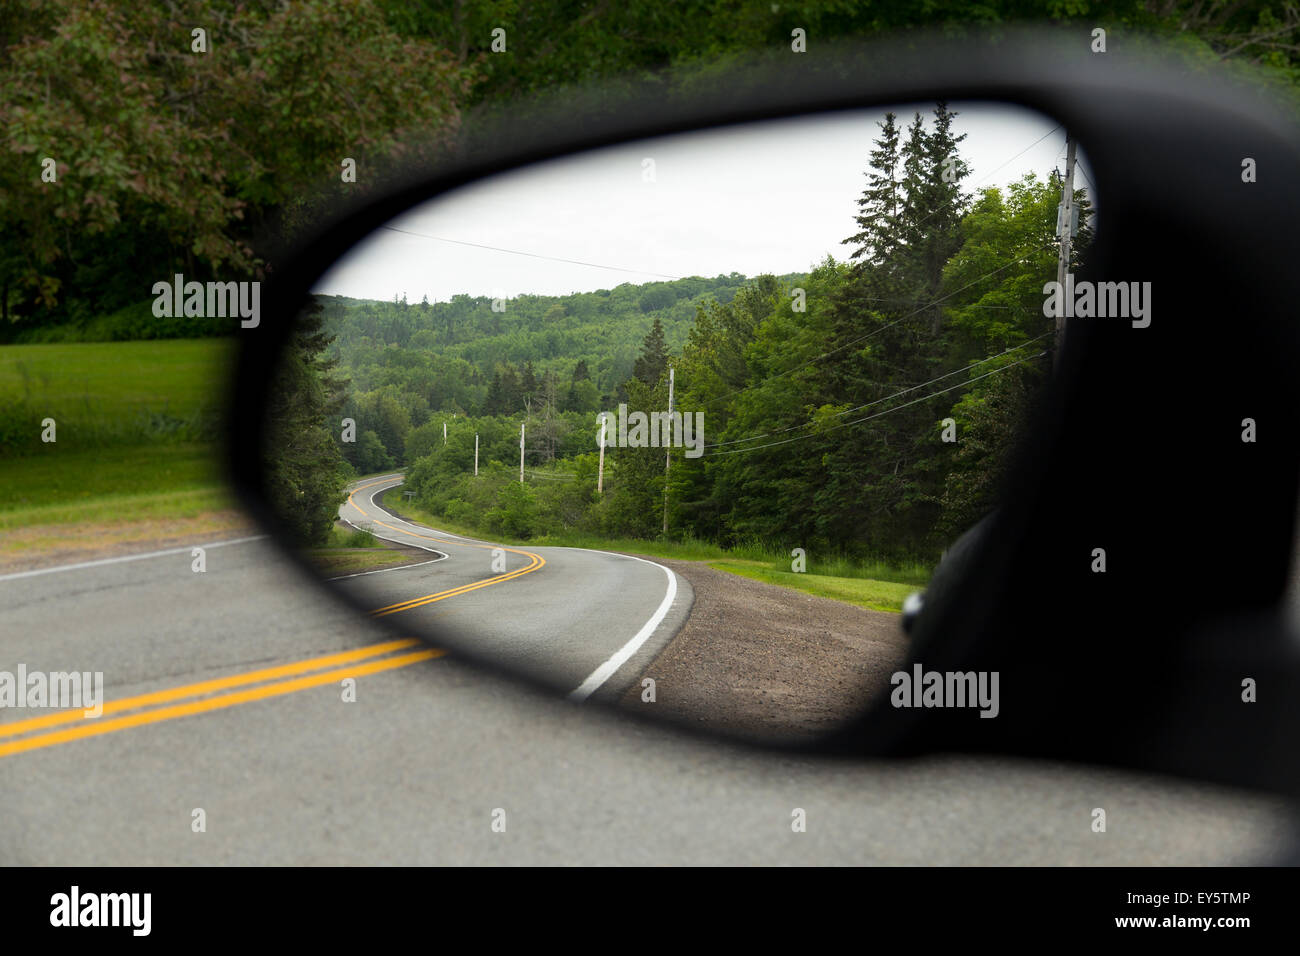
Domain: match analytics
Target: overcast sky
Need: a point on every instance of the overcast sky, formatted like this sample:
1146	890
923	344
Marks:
765	197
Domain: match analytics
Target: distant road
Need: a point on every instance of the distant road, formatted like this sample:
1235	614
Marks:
583	621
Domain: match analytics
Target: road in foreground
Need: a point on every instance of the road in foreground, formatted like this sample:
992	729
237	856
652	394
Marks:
413	770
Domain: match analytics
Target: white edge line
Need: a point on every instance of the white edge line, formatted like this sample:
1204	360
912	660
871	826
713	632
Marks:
607	670
442	555
404	567
126	557
383	510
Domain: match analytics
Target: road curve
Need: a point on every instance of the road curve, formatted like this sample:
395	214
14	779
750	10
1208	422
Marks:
584	622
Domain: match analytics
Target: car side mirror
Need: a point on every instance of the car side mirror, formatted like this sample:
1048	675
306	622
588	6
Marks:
1129	582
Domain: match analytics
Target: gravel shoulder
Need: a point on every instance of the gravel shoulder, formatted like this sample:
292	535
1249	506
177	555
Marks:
765	662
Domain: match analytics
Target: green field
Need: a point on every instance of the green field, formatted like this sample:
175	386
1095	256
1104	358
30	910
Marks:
67	485
136	428
873	585
117	378
105	394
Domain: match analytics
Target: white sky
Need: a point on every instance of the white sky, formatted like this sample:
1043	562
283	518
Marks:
764	197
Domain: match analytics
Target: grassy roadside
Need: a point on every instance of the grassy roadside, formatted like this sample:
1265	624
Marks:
873	585
135	461
352	550
75	505
865	592
68	485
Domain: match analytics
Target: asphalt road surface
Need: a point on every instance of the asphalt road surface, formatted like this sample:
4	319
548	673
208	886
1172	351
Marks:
229	703
585	622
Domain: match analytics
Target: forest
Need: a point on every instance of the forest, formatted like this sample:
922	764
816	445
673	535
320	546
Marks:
134	152
866	407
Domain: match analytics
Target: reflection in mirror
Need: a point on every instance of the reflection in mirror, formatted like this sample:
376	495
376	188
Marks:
686	424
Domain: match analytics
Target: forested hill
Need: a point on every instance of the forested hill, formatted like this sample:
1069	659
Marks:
465	343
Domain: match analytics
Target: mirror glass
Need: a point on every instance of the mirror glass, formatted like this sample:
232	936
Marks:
686	424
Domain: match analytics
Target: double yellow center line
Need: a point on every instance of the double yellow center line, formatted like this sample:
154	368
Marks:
62	726
273	681
535	561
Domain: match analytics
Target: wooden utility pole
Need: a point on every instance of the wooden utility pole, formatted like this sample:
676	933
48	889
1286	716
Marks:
668	454
1066	232
600	472
521	453
476	454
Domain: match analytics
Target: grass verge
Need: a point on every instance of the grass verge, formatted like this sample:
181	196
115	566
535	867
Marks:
874	585
865	592
134	465
68	485
337	561
351	550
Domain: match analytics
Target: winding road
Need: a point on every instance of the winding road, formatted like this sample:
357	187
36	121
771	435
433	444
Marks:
584	622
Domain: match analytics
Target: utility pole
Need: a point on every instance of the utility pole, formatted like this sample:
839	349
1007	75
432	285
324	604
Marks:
668	454
444	433
600	473
476	454
1066	232
521	453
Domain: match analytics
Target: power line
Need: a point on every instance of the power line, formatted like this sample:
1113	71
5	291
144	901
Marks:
644	272
1091	187
597	265
533	255
911	388
881	298
817	358
1019	154
896	408
864	337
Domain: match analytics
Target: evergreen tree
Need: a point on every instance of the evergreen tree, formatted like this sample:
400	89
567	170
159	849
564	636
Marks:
582	395
879	203
511	397
494	403
940	207
652	362
882	481
303	464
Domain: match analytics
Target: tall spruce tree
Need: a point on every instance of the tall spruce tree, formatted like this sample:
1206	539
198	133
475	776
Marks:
653	360
887	336
878	205
303	465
